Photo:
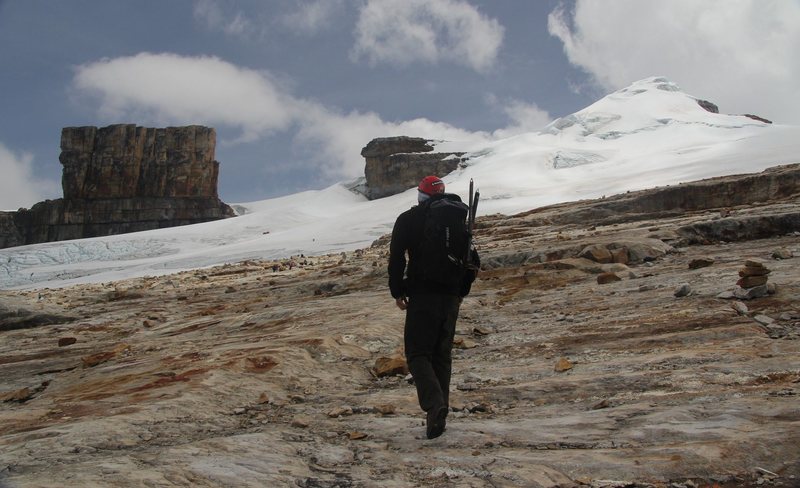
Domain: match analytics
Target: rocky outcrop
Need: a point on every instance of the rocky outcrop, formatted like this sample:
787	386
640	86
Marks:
395	164
126	161
124	178
726	193
19	314
9	232
709	106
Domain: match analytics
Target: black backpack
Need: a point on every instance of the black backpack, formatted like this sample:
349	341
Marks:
440	255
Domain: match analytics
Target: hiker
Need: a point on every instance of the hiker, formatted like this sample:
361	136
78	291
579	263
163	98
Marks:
430	293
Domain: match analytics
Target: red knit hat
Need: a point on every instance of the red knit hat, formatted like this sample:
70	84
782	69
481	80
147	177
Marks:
431	185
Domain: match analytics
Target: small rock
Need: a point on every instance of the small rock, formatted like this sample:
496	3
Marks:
66	341
563	364
772	288
357	436
385	409
683	290
263	398
620	255
472	377
750	270
239	411
597	253
764	319
390	366
752	281
476	407
480	331
740	308
754	263
700	263
605	278
750	293
782	253
340	412
300	423
785	316
602	404
461	343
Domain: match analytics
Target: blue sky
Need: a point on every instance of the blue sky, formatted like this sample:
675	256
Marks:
296	88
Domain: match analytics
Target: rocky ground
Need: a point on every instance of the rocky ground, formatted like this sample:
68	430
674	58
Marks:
598	348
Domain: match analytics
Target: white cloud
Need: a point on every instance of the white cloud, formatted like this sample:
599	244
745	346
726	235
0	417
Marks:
524	117
428	31
216	18
167	88
311	17
740	54
19	186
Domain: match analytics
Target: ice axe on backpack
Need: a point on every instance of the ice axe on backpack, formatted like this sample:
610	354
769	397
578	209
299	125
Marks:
474	196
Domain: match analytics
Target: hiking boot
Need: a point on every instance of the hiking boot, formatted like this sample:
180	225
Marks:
436	421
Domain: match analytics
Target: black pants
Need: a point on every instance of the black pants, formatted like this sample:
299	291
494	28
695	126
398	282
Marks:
429	331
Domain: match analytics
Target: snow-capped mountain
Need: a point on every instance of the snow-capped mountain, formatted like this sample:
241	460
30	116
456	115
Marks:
648	134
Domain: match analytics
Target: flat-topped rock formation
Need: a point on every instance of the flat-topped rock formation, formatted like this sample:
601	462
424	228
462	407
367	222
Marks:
124	178
126	161
395	164
603	351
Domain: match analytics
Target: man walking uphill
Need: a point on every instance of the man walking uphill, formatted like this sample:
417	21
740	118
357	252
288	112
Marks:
442	264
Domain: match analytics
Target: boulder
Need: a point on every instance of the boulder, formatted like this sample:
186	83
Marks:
683	290
390	366
605	278
563	364
597	253
395	164
620	255
700	263
782	253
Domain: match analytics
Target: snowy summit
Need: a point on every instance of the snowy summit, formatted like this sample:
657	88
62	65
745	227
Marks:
648	134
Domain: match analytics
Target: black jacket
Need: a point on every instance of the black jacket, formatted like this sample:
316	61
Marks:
406	238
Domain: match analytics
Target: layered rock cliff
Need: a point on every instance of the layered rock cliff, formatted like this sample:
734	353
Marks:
124	178
395	164
126	161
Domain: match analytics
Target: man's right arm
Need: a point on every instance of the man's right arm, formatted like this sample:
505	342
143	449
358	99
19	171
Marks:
397	257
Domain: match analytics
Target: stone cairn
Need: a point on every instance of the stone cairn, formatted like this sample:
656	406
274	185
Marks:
753	280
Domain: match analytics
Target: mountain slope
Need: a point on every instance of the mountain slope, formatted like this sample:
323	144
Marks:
254	374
